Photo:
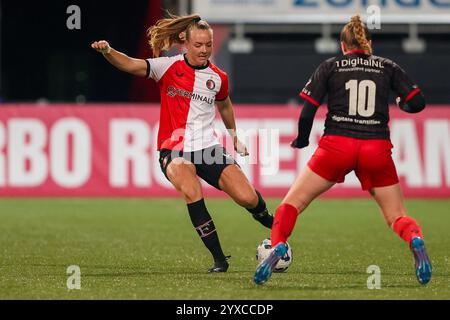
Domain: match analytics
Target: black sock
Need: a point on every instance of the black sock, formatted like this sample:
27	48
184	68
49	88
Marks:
204	225
260	207
260	212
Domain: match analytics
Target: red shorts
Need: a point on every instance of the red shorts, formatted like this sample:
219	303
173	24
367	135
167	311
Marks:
371	159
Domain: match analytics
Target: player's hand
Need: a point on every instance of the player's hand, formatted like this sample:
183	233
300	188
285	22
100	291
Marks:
240	148
298	143
403	105
101	46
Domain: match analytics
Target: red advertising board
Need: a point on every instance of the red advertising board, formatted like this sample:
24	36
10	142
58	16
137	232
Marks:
110	151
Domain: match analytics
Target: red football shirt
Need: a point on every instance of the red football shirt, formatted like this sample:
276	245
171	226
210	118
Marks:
188	95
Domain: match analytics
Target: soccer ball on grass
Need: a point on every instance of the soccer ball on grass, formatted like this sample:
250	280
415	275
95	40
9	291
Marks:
264	249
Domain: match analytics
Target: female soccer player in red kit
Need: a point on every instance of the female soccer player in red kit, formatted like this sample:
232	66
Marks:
190	87
356	138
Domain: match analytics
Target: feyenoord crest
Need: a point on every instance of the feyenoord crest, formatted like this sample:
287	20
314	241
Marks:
210	84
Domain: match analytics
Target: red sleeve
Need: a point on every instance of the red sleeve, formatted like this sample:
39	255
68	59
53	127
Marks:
223	92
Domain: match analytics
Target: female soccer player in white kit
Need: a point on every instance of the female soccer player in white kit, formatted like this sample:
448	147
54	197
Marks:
190	87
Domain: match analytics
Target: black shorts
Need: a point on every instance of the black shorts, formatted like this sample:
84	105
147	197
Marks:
209	163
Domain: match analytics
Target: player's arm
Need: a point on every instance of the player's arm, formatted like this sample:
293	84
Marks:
313	94
305	123
226	111
412	104
121	61
409	97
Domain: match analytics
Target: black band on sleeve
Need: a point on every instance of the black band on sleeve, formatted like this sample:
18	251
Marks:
305	123
147	75
222	99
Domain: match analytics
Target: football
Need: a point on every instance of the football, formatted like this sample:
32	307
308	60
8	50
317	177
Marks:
264	249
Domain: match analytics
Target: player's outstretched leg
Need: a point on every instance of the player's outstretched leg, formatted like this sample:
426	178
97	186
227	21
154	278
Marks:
234	183
265	269
408	229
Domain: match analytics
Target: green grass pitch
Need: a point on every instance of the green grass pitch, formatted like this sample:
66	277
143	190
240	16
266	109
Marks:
147	249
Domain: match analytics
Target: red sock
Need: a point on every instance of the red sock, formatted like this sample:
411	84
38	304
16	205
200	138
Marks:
283	223
407	228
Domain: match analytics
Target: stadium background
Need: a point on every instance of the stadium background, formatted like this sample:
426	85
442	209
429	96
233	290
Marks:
72	126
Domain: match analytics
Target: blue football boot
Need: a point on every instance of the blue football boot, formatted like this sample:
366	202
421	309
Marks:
421	260
264	270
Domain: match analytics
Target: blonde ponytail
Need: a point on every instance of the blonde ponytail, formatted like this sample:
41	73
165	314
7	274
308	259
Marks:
169	31
360	34
355	34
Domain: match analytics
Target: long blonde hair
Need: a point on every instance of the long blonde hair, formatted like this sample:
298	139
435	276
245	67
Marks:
355	34
172	30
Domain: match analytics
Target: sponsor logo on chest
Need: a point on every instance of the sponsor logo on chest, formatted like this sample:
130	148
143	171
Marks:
174	91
